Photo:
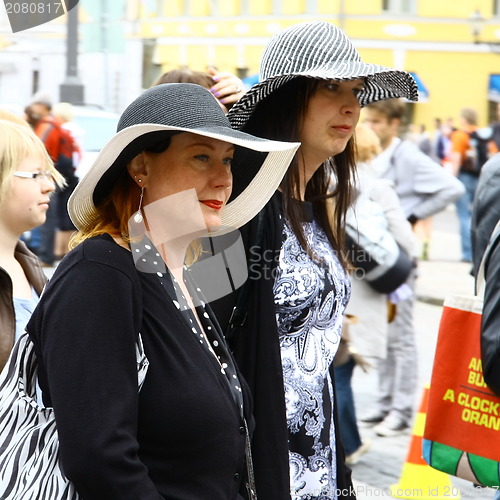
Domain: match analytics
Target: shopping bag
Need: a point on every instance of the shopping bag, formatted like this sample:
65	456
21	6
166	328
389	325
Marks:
462	427
29	443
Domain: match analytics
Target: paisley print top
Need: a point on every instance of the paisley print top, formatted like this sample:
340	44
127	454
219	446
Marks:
310	298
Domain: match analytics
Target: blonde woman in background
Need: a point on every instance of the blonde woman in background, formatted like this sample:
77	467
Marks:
369	308
27	180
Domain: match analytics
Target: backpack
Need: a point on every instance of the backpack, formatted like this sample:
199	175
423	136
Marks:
67	146
477	153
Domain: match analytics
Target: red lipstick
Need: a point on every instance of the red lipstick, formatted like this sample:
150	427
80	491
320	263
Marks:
214	204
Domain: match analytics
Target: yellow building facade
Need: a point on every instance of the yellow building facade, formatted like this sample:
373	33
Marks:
430	38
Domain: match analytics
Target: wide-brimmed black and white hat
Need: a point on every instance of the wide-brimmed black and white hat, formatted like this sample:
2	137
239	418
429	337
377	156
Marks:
318	49
258	164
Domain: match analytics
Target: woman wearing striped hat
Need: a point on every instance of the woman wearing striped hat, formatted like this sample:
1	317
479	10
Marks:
312	86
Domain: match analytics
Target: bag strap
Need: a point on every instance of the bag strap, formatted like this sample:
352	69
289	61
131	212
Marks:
480	281
43	138
47	131
251	489
239	314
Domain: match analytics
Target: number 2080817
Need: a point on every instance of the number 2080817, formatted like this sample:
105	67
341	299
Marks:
50	7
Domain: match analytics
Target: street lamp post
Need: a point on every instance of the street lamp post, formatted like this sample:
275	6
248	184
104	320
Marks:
476	21
71	90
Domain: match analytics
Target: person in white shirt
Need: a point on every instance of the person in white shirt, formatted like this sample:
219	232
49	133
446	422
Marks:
424	189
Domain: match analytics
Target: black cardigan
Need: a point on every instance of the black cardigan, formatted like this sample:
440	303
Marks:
257	352
182	437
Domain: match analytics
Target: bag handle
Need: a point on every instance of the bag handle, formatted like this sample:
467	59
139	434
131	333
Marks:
24	359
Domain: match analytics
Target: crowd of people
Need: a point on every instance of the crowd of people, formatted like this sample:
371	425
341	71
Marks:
248	392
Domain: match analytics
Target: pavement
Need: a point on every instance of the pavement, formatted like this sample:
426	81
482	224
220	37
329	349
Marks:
382	468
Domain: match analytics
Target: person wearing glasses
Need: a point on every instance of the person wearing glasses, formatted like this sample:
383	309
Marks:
27	180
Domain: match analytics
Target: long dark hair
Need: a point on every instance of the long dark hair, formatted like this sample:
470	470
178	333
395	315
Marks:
280	117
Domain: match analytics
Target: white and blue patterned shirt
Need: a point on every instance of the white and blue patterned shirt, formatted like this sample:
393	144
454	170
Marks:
310	299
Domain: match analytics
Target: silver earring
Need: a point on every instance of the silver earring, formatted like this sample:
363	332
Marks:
138	215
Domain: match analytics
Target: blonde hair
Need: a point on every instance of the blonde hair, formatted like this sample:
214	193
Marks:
367	143
63	110
12	117
18	143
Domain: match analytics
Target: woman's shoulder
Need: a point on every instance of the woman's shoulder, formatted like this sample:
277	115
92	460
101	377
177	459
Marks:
102	247
31	266
380	187
99	250
375	188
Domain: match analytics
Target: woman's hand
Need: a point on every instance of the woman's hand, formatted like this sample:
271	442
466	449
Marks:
228	88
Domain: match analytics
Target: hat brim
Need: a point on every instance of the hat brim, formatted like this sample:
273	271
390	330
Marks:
252	198
381	83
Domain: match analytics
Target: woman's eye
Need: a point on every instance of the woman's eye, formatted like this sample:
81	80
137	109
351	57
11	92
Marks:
332	86
357	91
202	157
227	161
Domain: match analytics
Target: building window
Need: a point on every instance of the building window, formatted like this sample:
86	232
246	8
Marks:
312	6
400	6
159	8
245	7
205	8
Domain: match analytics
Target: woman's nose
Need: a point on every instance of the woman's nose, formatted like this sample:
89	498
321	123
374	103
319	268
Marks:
224	176
48	185
351	103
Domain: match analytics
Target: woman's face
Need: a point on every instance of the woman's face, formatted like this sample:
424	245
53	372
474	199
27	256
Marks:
27	201
331	117
192	162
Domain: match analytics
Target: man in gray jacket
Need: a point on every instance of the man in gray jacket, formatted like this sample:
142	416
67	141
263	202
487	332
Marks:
424	189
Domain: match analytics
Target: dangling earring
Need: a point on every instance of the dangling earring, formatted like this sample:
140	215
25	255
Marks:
138	215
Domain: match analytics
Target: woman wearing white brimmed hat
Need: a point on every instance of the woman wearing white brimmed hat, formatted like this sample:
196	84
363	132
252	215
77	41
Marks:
184	433
312	85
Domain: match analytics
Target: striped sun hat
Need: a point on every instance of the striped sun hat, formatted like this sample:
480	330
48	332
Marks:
321	50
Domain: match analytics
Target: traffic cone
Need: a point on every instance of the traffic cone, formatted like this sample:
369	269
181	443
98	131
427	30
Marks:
419	480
